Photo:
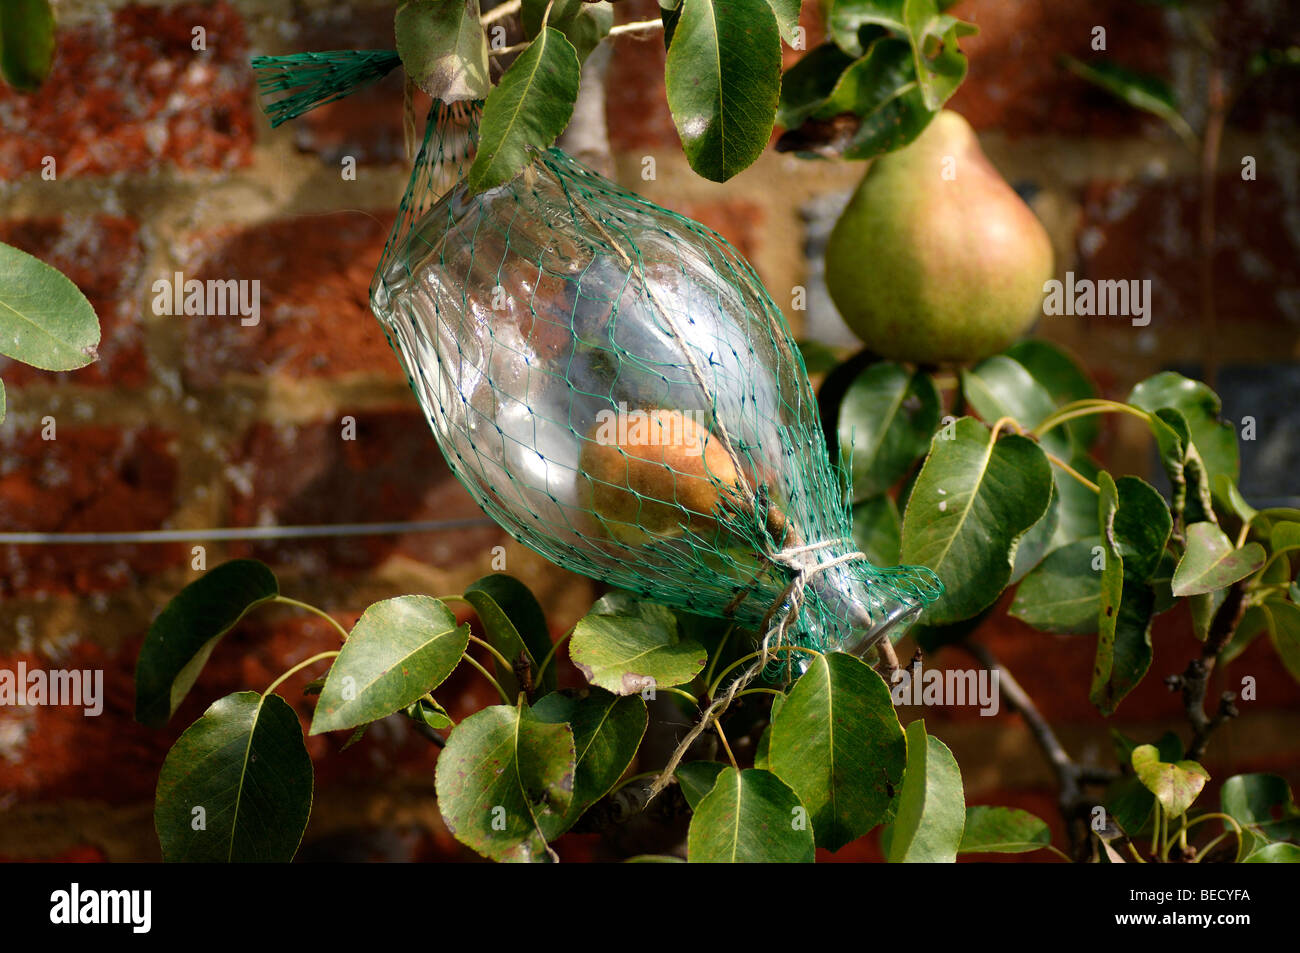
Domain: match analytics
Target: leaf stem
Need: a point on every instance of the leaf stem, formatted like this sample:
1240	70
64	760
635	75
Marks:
682	692
298	668
1073	472
285	600
488	675
541	668
713	686
723	735
1086	408
504	662
509	8
717	654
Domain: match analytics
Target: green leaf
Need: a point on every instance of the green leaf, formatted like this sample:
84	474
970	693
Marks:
764	746
1175	785
931	805
1001	387
1131	527
723	78
974	499
750	816
1275	854
880	87
188	629
1263	804
1215	439
625	646
607	731
530	106
1078	504
877	530
1140	90
398	650
1064	379
838	743
1063	594
807	85
885	423
1225	494
1282	621
237	785
787	17
504	774
696	779
1130	804
45	321
1002	830
583	24
3	408
1038	541
26	43
1210	562
514	623
443	48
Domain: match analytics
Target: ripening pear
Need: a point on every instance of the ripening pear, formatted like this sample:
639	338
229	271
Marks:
937	259
664	474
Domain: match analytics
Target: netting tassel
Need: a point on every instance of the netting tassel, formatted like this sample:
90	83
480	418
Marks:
774	635
313	79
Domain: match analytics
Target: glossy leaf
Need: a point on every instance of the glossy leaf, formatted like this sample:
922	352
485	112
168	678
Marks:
1140	90
1263	805
584	24
931	806
503	774
514	623
886	421
1001	387
1274	854
1065	381
607	731
237	785
189	628
1128	526
838	743
1038	541
1078	504
443	48
398	650
527	110
1282	621
696	779
807	85
1063	594
750	816
1215	439
45	321
723	79
974	499
787	17
1210	562
626	646
1003	830
1175	785
880	88
878	530
26	43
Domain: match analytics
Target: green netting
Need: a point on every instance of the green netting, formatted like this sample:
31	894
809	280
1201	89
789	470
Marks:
613	385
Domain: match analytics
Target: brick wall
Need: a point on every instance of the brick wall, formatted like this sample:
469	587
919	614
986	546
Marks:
165	164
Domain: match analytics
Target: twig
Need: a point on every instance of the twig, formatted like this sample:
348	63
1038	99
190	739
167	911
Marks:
1194	681
506	9
1070	777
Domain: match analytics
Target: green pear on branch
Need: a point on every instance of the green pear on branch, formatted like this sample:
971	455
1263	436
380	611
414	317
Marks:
936	259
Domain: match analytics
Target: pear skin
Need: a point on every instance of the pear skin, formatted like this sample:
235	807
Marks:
668	475
936	259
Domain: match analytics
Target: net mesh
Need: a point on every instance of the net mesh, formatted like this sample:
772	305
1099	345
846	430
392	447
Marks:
613	385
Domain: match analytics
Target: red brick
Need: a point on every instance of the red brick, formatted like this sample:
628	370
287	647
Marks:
392	471
368	124
1017	84
103	257
1148	231
737	220
90	479
315	318
129	94
635	107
